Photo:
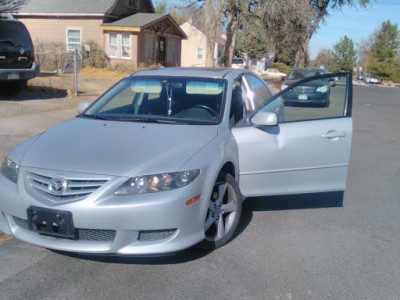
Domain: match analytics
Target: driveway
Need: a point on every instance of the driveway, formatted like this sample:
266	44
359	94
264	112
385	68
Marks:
288	247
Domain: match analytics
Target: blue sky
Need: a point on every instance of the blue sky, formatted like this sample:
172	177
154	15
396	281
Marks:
356	23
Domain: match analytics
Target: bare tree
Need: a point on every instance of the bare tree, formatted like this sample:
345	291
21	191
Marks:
285	22
320	8
213	20
7	6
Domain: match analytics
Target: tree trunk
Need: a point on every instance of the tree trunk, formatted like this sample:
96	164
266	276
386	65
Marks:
213	18
210	44
301	54
230	39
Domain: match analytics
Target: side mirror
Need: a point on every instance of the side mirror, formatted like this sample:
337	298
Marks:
265	118
82	106
283	78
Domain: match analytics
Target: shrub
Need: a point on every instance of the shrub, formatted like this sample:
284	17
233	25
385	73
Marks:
95	58
282	67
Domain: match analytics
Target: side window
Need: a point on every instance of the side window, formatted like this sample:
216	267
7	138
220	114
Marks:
238	110
257	92
317	99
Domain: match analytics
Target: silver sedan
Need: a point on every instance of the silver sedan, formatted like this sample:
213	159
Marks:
164	159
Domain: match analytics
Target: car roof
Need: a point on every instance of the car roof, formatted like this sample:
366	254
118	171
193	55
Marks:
191	72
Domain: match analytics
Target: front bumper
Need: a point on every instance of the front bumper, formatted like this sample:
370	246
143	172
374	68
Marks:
155	223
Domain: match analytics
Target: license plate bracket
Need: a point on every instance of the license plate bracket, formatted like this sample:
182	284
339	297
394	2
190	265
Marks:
58	223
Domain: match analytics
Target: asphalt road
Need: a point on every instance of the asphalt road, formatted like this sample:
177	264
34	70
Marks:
287	247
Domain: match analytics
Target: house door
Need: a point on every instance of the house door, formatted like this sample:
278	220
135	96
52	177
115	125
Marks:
160	51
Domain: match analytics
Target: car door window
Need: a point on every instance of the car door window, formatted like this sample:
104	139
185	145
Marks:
321	98
256	91
238	109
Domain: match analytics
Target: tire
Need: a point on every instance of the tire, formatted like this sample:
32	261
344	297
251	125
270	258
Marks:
223	214
13	88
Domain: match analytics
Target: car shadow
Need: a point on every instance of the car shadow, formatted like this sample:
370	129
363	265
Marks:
287	202
271	203
36	93
184	256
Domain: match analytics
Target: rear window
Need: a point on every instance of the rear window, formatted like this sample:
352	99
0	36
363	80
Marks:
237	61
14	32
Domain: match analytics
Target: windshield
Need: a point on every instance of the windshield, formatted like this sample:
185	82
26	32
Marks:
162	100
300	74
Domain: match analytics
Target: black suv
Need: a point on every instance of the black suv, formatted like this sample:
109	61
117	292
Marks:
17	57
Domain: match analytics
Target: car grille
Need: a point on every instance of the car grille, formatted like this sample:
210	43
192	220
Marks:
77	189
154	235
98	235
302	89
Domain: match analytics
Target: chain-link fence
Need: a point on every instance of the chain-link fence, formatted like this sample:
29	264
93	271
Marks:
58	62
61	63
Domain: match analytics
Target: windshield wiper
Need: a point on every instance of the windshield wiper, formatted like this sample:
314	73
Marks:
96	117
147	120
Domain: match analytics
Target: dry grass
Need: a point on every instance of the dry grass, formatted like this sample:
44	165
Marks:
52	85
5	238
101	73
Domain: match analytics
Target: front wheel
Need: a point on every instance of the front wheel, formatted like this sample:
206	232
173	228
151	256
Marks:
223	214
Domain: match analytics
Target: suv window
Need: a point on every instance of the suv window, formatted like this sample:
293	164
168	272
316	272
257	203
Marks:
15	33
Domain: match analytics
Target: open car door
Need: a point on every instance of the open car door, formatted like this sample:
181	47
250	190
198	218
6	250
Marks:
300	140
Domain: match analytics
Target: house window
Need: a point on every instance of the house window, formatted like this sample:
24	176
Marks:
131	4
113	45
74	39
149	48
126	46
200	53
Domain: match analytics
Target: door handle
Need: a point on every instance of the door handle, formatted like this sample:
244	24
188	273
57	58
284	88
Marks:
333	134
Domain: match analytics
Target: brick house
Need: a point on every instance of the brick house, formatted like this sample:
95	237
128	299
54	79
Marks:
128	30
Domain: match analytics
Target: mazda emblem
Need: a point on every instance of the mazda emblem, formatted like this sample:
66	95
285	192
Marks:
22	50
57	186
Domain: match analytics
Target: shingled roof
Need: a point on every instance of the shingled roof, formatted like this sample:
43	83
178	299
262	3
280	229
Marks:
66	6
138	20
141	21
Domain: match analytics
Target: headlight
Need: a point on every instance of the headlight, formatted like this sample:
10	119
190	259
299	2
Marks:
157	182
322	89
283	86
9	169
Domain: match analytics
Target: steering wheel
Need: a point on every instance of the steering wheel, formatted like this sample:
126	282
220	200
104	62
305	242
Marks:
211	111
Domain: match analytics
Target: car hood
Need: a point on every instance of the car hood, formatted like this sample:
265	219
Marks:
117	148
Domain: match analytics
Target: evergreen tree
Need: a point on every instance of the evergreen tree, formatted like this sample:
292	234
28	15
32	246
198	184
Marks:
344	55
250	41
384	61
